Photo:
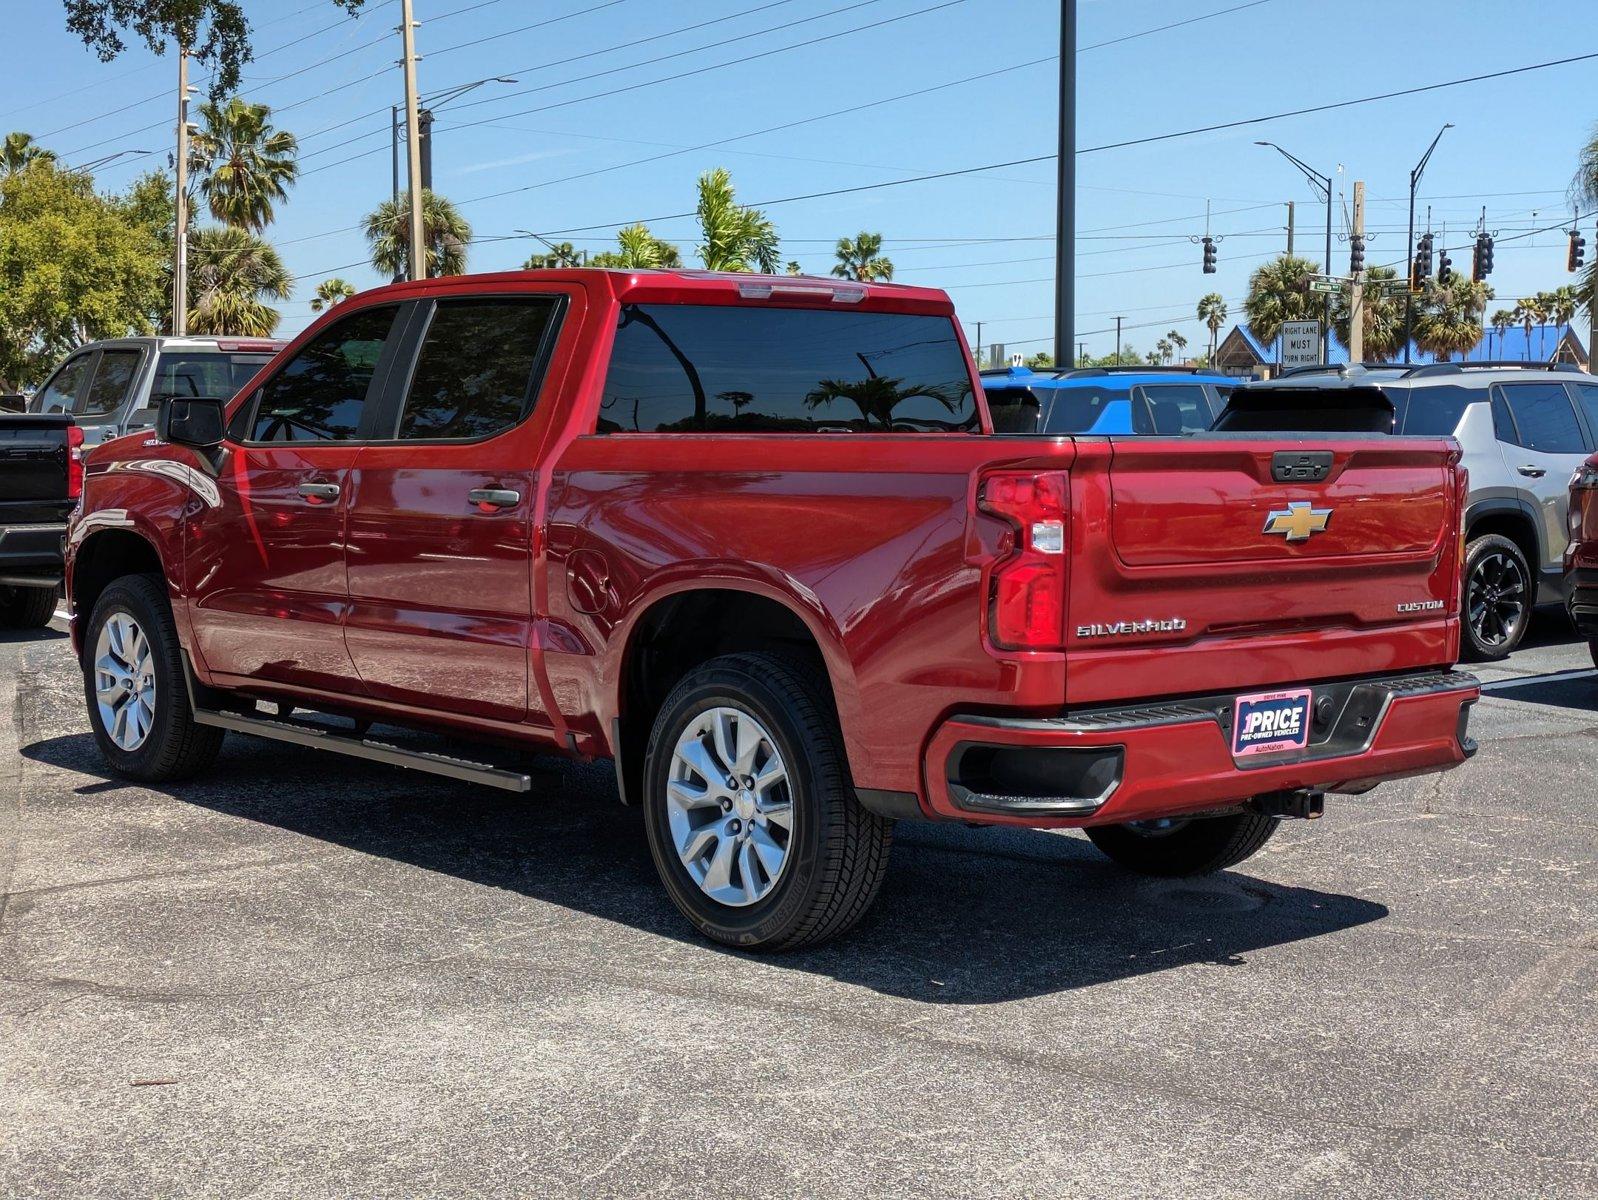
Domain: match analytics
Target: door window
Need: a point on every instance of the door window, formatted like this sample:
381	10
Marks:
1545	420
323	391
478	368
1587	393
61	393
113	379
1172	408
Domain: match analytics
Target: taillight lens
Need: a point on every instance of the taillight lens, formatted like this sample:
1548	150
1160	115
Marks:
1026	594
1583	499
74	463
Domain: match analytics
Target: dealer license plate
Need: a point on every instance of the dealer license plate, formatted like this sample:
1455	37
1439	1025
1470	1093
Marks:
1271	723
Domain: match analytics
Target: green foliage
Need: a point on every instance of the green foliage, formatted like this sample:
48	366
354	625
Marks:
232	275
860	258
1279	292
638	249
1449	317
1212	311
562	254
735	238
1384	316
1128	357
19	150
74	266
216	31
1041	361
244	166
331	292
445	233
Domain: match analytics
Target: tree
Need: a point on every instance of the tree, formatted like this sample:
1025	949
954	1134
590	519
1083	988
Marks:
794	268
331	292
1560	305
1161	353
215	31
1041	361
1584	191
19	150
232	275
736	238
860	258
638	249
244	166
1502	319
444	232
1178	343
1384	316
561	254
1212	311
1449	320
1530	311
1279	292
74	266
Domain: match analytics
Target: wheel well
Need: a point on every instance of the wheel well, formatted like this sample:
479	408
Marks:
1515	526
106	557
677	635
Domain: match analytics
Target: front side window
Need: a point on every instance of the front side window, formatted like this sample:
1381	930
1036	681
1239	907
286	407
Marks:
113	379
1544	418
1171	408
732	369
476	373
321	394
61	393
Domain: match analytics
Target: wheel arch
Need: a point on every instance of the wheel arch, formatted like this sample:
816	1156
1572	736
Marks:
1512	518
102	554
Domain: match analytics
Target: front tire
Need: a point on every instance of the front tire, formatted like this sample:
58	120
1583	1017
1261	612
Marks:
752	817
1499	595
134	686
26	607
1184	846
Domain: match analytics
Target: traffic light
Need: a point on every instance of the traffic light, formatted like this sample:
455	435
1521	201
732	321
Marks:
1209	255
1578	251
1445	266
1481	259
1423	263
1356	254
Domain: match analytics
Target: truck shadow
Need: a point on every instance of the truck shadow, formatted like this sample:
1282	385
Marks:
966	916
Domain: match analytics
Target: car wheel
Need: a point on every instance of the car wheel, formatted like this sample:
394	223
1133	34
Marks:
1499	595
1184	845
26	607
133	684
751	815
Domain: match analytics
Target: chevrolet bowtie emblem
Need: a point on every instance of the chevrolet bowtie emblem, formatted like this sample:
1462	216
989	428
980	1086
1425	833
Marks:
1298	521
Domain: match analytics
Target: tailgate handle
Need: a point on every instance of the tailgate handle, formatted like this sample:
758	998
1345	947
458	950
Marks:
1301	466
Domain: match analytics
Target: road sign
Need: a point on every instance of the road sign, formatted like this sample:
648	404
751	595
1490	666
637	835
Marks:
1301	343
1333	287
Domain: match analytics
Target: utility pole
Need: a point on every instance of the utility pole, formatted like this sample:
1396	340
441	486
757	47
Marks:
1289	229
1081	352
979	345
1065	201
413	147
180	249
1118	341
1356	291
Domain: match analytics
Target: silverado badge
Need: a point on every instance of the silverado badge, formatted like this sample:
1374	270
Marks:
1298	521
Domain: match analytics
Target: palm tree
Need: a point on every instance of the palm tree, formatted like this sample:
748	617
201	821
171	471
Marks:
637	248
1502	319
1530	311
331	292
1178	343
1383	313
19	150
1161	353
561	254
232	275
245	166
1212	311
794	268
1449	318
1279	292
736	238
1561	304
1584	191
444	231
860	259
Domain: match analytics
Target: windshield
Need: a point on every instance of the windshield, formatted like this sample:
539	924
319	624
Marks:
202	373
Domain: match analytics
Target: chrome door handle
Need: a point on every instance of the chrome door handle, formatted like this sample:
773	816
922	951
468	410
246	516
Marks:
1532	472
488	498
319	493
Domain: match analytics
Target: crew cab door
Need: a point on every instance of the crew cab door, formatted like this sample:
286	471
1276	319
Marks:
440	537
265	557
1543	443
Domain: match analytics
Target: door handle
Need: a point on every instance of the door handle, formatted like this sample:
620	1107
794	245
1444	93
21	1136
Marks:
319	493
489	499
1531	471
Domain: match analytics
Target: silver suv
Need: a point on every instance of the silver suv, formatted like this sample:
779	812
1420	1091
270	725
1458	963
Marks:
1525	429
115	387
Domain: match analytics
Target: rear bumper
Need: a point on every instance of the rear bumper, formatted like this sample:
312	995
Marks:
1582	600
31	554
1107	765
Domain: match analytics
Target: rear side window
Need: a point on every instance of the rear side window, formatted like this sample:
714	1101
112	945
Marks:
1436	411
112	380
61	393
1587	393
1014	410
476	373
215	376
1091	409
322	392
726	369
1172	408
1545	420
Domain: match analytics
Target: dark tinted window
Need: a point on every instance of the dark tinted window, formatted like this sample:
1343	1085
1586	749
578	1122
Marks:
1544	418
61	393
1437	411
1078	409
320	394
1587	393
1014	410
677	368
112	379
1172	408
475	374
216	376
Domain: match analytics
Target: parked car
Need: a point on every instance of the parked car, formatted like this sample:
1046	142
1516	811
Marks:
752	537
41	478
115	387
1104	400
1581	557
1525	428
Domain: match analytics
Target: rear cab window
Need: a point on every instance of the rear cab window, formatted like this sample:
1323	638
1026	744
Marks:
687	368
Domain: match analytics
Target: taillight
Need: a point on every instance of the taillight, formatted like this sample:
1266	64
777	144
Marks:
74	462
1026	593
1583	498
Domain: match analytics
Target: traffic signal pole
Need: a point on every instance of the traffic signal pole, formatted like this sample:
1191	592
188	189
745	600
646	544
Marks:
1065	202
1414	186
1356	290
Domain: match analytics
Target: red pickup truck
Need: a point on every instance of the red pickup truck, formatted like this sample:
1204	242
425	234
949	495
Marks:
755	539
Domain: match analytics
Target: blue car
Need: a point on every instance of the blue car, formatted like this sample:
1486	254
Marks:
1105	400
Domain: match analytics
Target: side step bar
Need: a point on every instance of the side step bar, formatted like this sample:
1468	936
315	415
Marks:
358	747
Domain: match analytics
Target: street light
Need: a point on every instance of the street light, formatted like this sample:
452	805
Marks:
1409	279
1324	183
425	122
108	159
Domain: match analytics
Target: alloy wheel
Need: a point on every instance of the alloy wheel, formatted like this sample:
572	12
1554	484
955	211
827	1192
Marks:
124	681
1497	598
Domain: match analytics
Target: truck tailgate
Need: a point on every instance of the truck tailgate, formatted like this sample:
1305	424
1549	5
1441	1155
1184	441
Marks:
1247	560
33	468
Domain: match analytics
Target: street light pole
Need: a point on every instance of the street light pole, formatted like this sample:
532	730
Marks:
1065	201
413	149
1409	277
1324	184
180	248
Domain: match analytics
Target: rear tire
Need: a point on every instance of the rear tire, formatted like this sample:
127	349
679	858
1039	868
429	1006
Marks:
26	607
766	847
1499	595
1196	846
145	733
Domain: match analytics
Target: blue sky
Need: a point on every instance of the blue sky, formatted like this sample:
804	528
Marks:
985	237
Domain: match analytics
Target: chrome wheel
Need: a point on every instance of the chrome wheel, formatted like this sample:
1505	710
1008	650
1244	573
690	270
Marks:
124	681
729	806
1497	598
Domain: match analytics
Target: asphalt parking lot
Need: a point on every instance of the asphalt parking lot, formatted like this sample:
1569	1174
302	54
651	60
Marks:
305	977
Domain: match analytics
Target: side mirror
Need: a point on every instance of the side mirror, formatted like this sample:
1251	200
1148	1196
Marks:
199	422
